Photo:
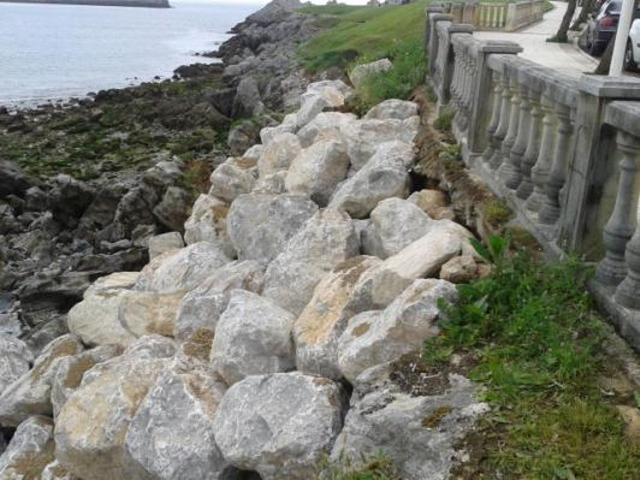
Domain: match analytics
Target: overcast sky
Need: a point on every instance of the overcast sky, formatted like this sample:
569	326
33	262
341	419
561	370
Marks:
264	2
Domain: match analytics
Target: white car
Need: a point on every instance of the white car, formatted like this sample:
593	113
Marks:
632	53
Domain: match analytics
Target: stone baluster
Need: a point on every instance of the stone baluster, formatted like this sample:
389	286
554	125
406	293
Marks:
506	170
464	110
550	211
533	146
503	123
622	223
495	117
540	171
520	145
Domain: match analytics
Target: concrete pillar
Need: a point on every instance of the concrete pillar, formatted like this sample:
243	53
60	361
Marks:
540	171
447	72
533	146
622	223
429	11
432	36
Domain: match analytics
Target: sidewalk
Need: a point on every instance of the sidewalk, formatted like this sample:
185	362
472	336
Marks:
563	57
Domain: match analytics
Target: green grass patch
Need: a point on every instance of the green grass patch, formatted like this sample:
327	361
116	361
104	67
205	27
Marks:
379	467
537	340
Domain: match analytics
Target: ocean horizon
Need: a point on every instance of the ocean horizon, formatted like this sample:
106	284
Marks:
56	52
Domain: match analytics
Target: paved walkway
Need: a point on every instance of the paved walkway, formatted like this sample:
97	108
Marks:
563	57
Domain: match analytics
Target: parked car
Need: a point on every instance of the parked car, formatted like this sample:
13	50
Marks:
602	26
632	53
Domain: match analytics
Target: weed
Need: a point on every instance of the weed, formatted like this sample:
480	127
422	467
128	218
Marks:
378	467
444	120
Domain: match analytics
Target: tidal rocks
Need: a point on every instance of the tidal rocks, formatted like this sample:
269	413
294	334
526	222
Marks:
327	239
15	360
172	209
253	337
279	425
361	72
317	170
324	319
30	450
260	225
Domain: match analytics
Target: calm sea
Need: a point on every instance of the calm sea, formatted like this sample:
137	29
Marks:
59	51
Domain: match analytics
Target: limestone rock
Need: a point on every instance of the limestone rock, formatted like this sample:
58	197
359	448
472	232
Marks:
230	180
253	337
279	425
247	102
171	435
326	240
172	211
373	338
380	285
70	370
30	450
317	170
201	308
384	176
273	184
165	242
182	270
289	125
398	424
361	72
146	313
254	152
364	137
395	223
279	154
323	124
207	223
91	428
460	269
334	91
15	360
311	106
434	203
392	109
260	225
117	280
324	319
55	471
31	393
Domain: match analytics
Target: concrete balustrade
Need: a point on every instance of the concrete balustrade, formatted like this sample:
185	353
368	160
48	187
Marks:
563	152
496	16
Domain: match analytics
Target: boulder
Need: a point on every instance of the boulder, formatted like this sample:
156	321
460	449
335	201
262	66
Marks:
181	270
327	239
70	370
173	209
207	223
420	433
30	450
376	337
361	72
288	125
384	176
333	90
279	425
272	184
247	102
460	269
15	360
365	137
310	107
31	393
230	180
200	309
92	425
164	242
55	471
317	170
242	136
380	285
254	153
317	330
260	225
393	109
279	154
147	313
171	435
395	223
324	124
253	337
434	202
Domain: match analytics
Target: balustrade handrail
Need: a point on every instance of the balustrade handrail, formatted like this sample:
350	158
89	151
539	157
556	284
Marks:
497	15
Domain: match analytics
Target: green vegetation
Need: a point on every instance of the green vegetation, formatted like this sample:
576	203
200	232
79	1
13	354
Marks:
444	120
378	467
536	344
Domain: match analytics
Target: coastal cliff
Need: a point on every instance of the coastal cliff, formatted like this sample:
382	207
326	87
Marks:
102	3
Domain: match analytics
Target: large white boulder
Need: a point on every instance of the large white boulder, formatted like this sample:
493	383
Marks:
384	176
311	105
253	337
288	125
373	338
393	109
317	170
30	450
55	471
165	242
147	313
207	223
260	225
279	425
30	394
360	73
181	270
324	319
334	91
324	124
234	177
91	427
279	154
327	239
15	360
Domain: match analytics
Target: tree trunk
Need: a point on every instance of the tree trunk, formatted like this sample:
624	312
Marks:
605	60
561	36
587	8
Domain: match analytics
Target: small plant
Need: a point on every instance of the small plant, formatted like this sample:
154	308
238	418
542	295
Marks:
496	212
444	120
377	467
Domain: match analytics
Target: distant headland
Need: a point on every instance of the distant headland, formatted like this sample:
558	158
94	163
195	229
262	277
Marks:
104	3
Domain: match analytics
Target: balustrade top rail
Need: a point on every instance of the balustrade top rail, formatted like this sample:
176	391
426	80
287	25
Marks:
563	151
497	15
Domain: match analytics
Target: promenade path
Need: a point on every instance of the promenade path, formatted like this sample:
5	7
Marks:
563	57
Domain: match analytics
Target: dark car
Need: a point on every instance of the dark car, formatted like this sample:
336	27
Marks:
602	26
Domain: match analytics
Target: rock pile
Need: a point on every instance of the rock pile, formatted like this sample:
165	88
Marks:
269	342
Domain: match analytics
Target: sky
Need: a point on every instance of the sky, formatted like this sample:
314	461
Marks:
264	2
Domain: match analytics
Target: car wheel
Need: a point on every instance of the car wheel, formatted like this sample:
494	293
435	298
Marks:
629	62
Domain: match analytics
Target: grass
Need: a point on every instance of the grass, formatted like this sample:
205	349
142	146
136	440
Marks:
537	342
378	467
